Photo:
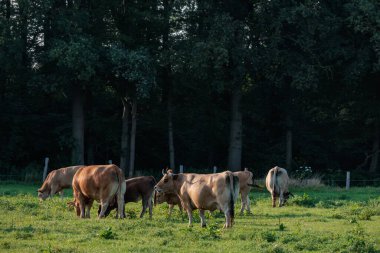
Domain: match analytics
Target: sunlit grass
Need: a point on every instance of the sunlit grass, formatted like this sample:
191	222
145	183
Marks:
318	220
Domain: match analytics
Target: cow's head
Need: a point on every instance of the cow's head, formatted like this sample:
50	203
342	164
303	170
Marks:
159	197
42	195
166	184
287	195
74	204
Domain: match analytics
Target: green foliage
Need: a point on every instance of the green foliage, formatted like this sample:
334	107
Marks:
108	234
305	200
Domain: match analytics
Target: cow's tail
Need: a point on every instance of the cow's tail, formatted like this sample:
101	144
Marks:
119	195
233	182
153	197
274	179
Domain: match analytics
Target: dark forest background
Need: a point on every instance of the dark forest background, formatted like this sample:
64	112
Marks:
158	83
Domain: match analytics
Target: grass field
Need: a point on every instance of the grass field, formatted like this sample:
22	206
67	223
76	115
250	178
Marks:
316	220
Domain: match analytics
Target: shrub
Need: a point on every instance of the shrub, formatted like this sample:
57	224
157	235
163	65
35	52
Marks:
358	242
268	236
108	234
305	200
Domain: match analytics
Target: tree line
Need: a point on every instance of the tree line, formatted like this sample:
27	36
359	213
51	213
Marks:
154	84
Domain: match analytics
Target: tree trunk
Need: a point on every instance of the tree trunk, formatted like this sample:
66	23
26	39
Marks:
375	150
8	11
289	143
170	133
167	79
235	148
124	137
133	139
78	126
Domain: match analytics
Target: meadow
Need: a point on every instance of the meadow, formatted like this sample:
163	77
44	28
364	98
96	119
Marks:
321	219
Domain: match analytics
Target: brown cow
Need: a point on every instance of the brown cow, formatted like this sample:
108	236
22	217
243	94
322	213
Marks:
277	182
102	183
246	182
136	188
56	181
170	198
203	192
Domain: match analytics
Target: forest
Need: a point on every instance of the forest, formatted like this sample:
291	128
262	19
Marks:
161	83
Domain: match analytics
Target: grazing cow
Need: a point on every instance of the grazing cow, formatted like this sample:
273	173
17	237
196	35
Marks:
56	181
170	198
277	184
136	188
203	192
102	183
246	182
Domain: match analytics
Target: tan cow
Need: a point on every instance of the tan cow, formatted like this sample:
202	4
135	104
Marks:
246	182
103	183
171	198
203	192
56	181
277	184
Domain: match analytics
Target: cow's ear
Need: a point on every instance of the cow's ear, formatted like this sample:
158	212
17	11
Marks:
175	176
163	172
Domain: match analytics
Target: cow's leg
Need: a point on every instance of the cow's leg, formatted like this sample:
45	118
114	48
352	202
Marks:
189	214
180	208
144	205
103	209
202	215
53	190
121	206
171	206
227	224
248	204
281	203
243	203
88	208
273	199
61	194
150	205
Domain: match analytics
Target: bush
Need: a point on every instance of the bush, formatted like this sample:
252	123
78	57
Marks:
268	236
358	242
305	200
108	234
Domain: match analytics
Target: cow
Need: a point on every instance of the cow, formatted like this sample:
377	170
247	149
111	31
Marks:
136	188
170	198
246	182
103	183
56	181
277	182
203	192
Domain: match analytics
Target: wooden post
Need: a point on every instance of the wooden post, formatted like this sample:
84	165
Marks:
109	161
45	168
214	169
181	169
348	181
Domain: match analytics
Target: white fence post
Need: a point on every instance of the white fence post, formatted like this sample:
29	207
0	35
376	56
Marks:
181	169
109	161
214	169
45	168
348	181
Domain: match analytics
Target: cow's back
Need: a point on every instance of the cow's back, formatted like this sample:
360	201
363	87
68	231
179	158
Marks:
93	181
138	187
206	191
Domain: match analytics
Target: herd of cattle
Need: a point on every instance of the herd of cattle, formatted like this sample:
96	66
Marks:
107	185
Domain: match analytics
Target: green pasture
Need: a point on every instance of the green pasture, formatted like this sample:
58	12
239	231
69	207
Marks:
317	220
